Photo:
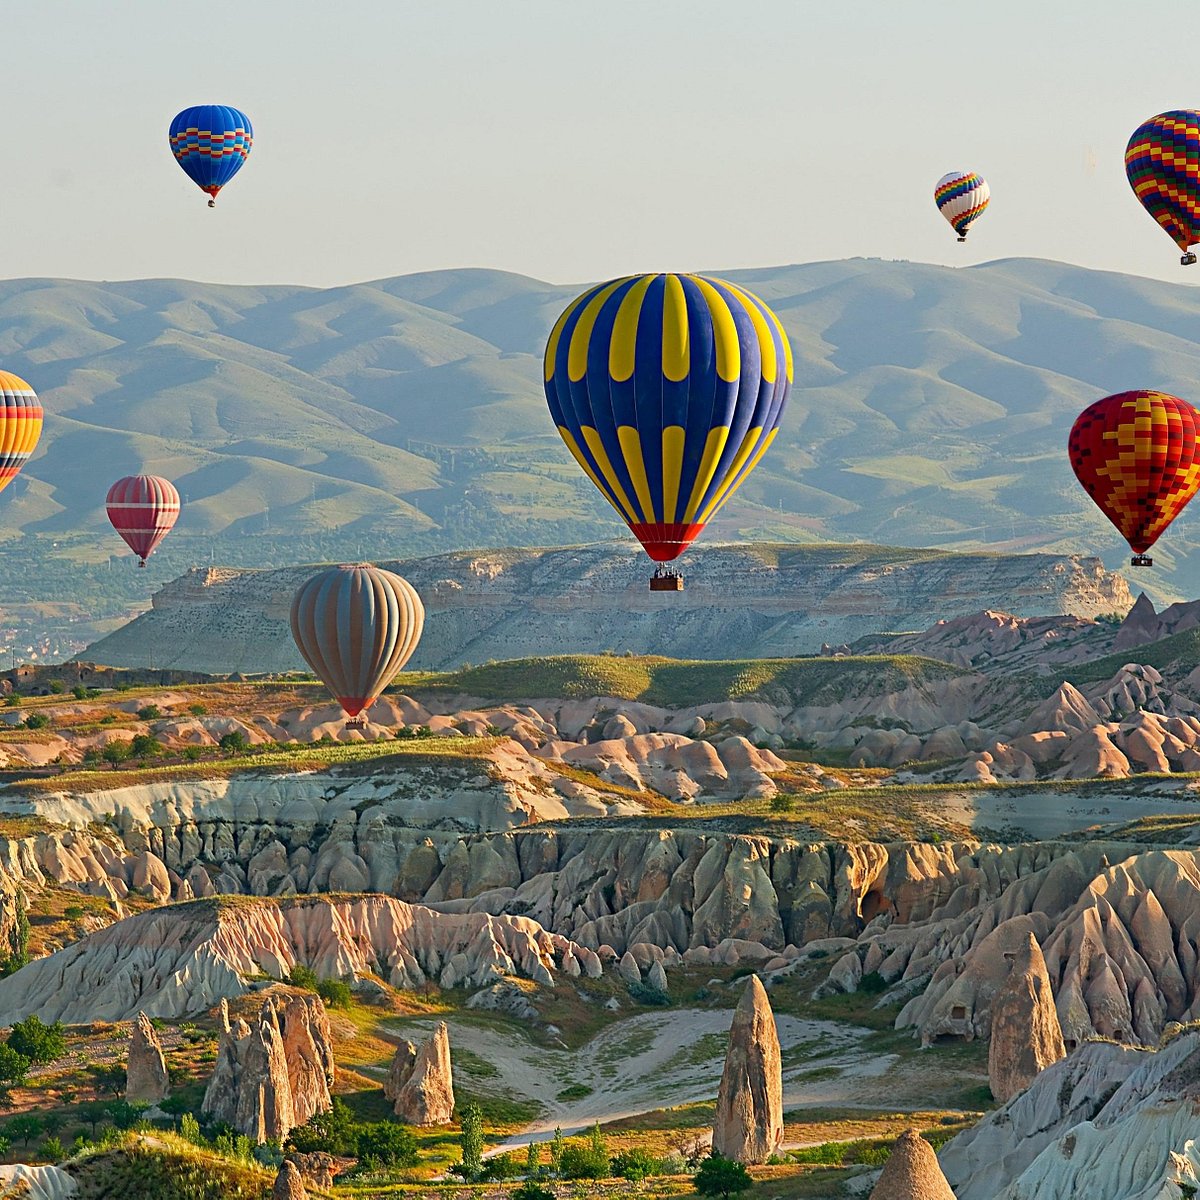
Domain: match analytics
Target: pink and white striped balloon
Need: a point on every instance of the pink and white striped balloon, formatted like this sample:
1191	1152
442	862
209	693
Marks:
143	510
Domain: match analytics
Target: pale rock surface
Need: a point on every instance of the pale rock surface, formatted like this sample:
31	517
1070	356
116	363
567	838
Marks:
1026	1036
912	1172
289	1183
420	1082
748	1125
24	1182
146	1071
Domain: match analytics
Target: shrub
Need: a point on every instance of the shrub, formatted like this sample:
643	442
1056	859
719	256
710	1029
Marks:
643	993
303	977
585	1160
234	743
782	804
500	1167
532	1190
634	1165
37	721
720	1176
13	1066
57	687
872	983
52	1150
145	745
335	992
126	1114
333	1132
116	752
149	712
36	1041
198	710
13	701
192	753
189	1129
79	692
386	1144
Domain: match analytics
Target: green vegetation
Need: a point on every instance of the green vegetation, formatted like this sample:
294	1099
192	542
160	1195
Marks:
1181	651
719	1176
36	1041
674	683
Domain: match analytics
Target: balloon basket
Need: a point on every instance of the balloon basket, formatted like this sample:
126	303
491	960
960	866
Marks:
1187	260
666	581
1141	560
963	238
212	204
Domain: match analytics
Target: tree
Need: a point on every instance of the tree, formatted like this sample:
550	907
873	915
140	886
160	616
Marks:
38	1042
23	1128
557	1146
149	712
333	1132
720	1176
108	1080
145	745
471	1140
37	721
582	1161
92	1113
115	753
533	1158
126	1114
13	1066
52	1150
234	743
386	1144
335	992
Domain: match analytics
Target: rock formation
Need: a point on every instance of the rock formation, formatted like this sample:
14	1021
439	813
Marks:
289	1183
420	1082
1026	1036
748	1125
275	1074
1107	1120
912	1172
146	1078
763	604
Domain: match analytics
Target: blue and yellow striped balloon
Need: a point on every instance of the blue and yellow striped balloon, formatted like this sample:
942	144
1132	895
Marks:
667	389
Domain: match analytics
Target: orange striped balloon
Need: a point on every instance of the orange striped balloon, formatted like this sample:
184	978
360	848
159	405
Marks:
20	425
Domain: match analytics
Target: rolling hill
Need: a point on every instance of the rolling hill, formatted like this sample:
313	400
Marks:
405	416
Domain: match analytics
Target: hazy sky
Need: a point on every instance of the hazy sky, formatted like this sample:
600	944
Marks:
579	139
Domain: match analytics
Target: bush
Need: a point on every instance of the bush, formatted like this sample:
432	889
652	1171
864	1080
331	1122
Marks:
37	721
189	1129
634	1165
145	745
126	1114
333	1132
532	1190
52	1150
79	692
500	1167
782	804
23	1128
13	1066
643	993
149	712
192	753
38	1042
720	1176
582	1161
872	983
303	977
386	1144
116	752
198	710
335	992
13	701
234	743
57	687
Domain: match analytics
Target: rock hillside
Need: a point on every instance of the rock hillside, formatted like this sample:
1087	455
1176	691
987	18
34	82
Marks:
746	601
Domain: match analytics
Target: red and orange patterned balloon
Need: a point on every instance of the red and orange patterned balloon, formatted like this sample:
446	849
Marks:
1135	454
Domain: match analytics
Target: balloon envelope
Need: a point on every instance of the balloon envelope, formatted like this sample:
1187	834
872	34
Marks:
667	390
1162	163
1135	454
20	425
210	142
143	510
961	198
356	626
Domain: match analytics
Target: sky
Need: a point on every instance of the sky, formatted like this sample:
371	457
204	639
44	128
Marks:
574	140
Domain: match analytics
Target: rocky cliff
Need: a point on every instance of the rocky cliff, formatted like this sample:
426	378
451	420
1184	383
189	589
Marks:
750	601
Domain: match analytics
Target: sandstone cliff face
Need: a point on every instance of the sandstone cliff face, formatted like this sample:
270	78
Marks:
1026	1036
1107	1120
186	958
146	1072
748	1125
420	1083
275	1074
739	602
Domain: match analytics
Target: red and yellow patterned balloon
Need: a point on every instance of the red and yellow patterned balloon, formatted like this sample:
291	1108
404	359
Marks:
20	425
1136	455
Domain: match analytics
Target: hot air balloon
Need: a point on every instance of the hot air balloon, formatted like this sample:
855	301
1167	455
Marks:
667	389
20	425
1162	162
1135	454
143	510
210	142
356	626
961	198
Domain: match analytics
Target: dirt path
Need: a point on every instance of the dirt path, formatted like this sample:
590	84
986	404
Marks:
656	1060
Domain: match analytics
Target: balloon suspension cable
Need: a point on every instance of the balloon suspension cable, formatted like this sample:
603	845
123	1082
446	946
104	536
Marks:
1141	560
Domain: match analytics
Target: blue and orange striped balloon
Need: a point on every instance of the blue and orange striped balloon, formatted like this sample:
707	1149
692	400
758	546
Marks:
210	142
667	389
20	425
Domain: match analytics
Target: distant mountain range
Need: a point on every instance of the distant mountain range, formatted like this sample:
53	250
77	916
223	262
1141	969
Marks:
405	416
